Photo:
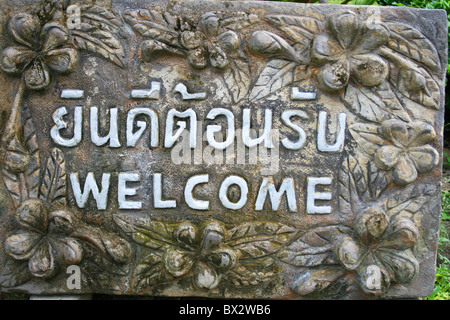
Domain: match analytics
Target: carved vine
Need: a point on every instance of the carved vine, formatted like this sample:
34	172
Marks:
379	72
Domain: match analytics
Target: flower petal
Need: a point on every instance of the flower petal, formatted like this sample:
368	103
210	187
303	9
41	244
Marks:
68	250
198	58
404	172
206	277
348	252
401	264
62	60
325	49
37	75
217	57
14	59
344	27
22	244
191	39
223	258
396	131
213	234
16	157
42	263
425	158
387	157
402	235
25	29
209	24
229	40
372	38
178	262
54	35
334	76
370	70
373	279
32	215
422	133
186	235
60	221
371	222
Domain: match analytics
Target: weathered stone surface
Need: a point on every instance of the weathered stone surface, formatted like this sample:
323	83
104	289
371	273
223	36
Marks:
337	194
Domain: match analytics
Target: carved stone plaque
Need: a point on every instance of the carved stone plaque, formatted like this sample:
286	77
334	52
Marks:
220	149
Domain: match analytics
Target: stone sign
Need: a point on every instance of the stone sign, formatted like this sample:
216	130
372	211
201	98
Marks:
220	149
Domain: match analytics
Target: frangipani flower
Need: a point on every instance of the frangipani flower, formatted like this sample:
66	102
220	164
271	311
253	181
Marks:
41	48
204	253
380	251
204	44
209	43
347	50
43	239
410	152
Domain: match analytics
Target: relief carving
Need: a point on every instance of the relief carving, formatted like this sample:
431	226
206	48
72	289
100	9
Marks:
378	72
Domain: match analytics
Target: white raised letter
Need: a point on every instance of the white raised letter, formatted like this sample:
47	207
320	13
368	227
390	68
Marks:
286	117
61	124
157	194
123	191
90	185
313	195
249	142
132	138
112	136
242	184
190	185
322	144
170	138
287	186
211	129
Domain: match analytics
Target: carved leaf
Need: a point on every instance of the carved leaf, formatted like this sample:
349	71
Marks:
153	234
247	275
152	24
149	270
32	172
25	184
99	34
375	105
276	75
379	180
410	199
418	85
237	20
268	43
53	187
258	239
299	29
352	184
326	281
237	78
413	44
14	273
106	241
12	184
106	19
313	248
367	136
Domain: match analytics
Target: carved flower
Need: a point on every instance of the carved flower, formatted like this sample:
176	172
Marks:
410	152
205	254
43	239
41	49
208	43
380	251
346	50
